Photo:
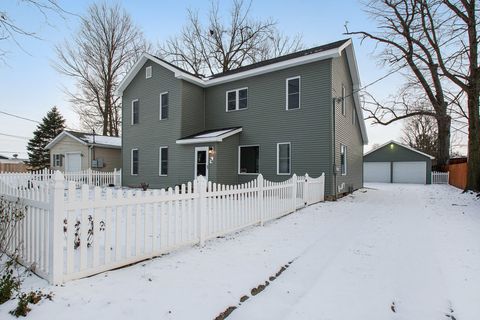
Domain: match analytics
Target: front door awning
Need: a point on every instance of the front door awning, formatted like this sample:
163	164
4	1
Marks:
216	135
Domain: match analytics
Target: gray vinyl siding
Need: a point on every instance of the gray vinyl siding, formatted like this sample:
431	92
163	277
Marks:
346	132
226	160
266	121
193	110
399	154
151	133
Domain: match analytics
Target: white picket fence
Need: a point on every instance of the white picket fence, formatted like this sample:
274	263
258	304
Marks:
73	233
440	177
40	177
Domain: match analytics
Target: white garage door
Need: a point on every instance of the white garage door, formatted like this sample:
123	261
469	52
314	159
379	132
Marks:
410	172
376	172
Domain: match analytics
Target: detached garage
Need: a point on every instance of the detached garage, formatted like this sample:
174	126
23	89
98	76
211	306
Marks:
394	162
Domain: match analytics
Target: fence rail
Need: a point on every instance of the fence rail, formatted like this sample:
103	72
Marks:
440	177
73	233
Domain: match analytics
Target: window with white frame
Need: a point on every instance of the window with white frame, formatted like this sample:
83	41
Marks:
148	72
344	102
343	160
164	106
163	161
57	160
237	99
134	162
283	158
135	111
248	157
293	93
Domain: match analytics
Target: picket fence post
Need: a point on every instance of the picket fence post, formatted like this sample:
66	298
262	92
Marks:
57	206
305	190
202	210
260	199
115	177
294	192
89	176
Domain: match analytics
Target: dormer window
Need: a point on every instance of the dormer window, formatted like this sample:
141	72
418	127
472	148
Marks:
237	99
148	72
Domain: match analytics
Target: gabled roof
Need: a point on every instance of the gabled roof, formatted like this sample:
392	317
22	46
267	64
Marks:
401	145
216	135
327	51
88	139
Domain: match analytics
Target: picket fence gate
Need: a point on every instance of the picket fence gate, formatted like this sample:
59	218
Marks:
440	177
71	233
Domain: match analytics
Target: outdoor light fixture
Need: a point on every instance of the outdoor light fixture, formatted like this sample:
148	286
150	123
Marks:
391	146
211	154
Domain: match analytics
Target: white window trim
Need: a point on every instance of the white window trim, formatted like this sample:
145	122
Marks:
299	92
131	162
148	72
57	156
289	158
160	106
344	147
238	163
160	161
133	101
344	102
237	99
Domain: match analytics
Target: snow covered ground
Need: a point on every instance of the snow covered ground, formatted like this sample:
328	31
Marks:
385	252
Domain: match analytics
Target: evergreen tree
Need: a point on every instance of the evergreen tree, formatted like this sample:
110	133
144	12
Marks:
52	125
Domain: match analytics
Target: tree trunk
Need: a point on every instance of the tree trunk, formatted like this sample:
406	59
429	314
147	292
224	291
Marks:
473	165
443	148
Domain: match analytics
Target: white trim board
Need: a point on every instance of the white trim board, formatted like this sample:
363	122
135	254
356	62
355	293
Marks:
210	139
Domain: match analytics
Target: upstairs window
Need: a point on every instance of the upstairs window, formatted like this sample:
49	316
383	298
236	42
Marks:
57	160
148	72
343	160
135	111
293	93
283	158
163	161
164	105
344	102
134	162
248	159
237	99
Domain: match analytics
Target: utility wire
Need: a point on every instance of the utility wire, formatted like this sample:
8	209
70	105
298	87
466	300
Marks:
18	117
14	136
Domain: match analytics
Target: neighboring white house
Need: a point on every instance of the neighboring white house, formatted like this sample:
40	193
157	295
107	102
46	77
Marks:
72	151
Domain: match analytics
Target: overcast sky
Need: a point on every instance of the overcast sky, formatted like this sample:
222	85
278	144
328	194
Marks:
30	86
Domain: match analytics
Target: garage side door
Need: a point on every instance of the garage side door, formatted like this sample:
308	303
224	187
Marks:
410	172
376	172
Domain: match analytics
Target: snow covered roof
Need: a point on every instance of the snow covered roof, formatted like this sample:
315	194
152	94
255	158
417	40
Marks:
400	144
88	139
216	135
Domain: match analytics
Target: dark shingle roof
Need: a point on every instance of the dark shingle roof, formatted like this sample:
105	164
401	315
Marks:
294	55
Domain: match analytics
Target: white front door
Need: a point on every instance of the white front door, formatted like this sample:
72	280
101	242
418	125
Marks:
73	162
410	172
201	162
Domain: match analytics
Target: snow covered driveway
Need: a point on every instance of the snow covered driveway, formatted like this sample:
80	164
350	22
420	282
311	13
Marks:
385	252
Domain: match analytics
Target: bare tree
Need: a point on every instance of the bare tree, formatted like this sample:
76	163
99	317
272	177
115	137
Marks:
11	30
437	42
420	132
98	57
222	45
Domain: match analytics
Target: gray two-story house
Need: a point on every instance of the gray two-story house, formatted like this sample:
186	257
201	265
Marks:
299	113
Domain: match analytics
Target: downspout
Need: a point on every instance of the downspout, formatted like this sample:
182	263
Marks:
334	150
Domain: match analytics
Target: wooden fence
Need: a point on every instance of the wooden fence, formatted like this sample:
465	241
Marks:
73	233
458	175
